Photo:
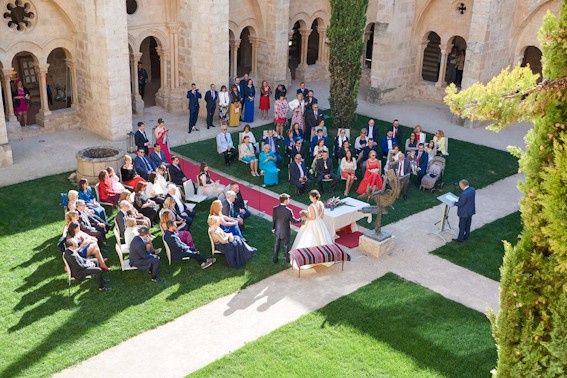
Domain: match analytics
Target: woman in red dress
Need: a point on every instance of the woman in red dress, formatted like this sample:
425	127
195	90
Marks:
372	175
265	93
161	139
105	192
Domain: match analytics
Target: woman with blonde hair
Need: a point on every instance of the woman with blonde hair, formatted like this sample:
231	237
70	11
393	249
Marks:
168	214
128	173
87	244
72	197
236	251
441	143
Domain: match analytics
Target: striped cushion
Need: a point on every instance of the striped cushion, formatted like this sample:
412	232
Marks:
319	255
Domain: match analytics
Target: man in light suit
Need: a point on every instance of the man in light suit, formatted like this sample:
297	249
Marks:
194	96
372	130
313	118
272	140
81	267
225	146
180	250
211	98
421	159
465	210
402	168
324	170
141	138
282	217
157	157
298	174
142	164
140	255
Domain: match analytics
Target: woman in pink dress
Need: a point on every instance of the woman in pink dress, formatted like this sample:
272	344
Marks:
372	175
162	140
280	114
21	103
297	109
265	93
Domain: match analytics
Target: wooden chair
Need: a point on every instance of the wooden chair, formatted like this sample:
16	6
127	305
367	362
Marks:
98	197
213	249
124	249
168	251
124	263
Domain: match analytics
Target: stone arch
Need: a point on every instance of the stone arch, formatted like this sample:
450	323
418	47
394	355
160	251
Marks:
25	65
63	6
60	79
532	56
322	18
151	49
300	18
28	46
295	46
65	44
313	42
160	37
245	60
454	45
369	44
431	57
249	24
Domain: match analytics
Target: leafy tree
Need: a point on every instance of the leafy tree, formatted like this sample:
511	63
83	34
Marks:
531	327
348	18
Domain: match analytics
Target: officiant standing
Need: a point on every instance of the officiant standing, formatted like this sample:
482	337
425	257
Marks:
465	210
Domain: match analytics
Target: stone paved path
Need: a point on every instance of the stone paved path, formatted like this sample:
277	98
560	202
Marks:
218	328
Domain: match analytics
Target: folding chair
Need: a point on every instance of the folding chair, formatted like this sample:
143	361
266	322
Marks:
124	263
98	197
69	276
124	249
168	251
213	249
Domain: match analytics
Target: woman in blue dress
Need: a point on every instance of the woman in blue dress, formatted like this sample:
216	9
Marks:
268	165
87	194
297	132
250	94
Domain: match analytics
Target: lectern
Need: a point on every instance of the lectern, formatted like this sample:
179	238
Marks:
448	199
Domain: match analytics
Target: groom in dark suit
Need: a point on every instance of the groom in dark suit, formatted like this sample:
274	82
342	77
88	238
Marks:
282	216
465	210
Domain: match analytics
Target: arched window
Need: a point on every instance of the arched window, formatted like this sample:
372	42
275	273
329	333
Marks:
59	93
313	44
244	58
532	56
151	64
369	36
294	55
431	58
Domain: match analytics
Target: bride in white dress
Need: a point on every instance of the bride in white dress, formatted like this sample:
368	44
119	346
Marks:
314	232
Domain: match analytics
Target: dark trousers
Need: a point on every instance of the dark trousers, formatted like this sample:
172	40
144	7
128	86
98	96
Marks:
464	228
459	78
229	156
200	259
210	115
96	273
154	267
332	177
277	248
193	115
301	187
141	89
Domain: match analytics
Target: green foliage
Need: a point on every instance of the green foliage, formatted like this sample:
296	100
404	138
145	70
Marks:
345	34
531	327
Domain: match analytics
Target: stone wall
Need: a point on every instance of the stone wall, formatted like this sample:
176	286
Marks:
5	148
273	53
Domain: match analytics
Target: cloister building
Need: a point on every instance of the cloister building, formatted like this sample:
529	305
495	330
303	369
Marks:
78	58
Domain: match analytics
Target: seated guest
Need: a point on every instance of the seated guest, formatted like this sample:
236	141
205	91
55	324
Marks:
70	217
143	204
419	135
289	141
154	190
168	214
235	250
431	148
157	157
392	157
297	148
142	164
272	140
397	130
180	250
176	175
321	126
421	160
141	220
348	170
297	132
402	169
105	192
324	171
128	173
87	245
340	153
72	198
161	180
317	138
87	194
247	155
372	174
411	144
229	210
298	174
247	131
340	139
365	153
91	224
239	203
372	130
441	143
208	187
120	219
116	184
180	209
81	267
131	230
318	152
225	145
140	255
267	162
387	143
360	142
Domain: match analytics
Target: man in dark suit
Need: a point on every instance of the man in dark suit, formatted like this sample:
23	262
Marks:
120	219
365	153
297	148
157	157
180	209
324	170
142	79
243	87
91	224
402	168
421	159
282	216
239	203
141	138
142	164
372	130
229	210
193	95
465	210
298	174
176	175
211	98
310	100
304	91
180	250
140	255
397	130
272	140
387	143
313	117
81	267
315	140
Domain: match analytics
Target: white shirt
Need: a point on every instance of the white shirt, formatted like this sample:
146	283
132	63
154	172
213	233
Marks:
301	173
224	99
129	234
346	165
224	142
180	204
389	144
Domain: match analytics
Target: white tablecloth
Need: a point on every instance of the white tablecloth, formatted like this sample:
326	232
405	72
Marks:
345	215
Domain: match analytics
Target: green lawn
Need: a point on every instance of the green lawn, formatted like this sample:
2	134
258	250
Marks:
479	164
484	251
390	327
42	330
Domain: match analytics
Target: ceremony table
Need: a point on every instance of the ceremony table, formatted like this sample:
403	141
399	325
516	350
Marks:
344	215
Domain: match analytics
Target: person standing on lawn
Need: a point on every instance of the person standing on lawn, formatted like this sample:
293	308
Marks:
282	217
465	210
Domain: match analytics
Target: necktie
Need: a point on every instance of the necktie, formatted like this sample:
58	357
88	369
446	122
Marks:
148	166
418	157
145	136
301	174
325	164
401	169
232	210
272	144
226	138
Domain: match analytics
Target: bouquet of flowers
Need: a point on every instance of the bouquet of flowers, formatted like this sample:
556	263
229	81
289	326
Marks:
333	203
303	216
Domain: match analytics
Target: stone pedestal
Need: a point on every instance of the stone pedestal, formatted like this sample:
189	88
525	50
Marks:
376	248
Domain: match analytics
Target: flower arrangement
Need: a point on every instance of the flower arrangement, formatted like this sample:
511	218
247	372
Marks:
333	203
303	214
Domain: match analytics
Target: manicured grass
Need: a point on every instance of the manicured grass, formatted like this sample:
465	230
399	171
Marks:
481	165
483	252
42	330
390	327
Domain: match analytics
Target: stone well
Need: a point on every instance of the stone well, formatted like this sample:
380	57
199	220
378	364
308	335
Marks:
92	160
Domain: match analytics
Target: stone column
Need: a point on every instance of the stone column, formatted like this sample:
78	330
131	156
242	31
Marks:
442	69
163	58
71	66
174	72
42	70
421	51
234	45
254	42
5	148
304	41
137	101
322	44
7	72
